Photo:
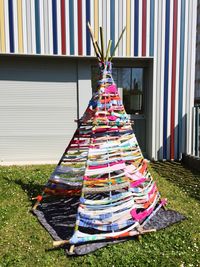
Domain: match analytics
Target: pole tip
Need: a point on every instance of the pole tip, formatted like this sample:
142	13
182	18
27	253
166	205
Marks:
60	243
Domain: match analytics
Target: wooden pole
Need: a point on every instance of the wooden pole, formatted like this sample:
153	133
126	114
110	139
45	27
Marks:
102	43
93	40
108	49
113	53
60	243
98	48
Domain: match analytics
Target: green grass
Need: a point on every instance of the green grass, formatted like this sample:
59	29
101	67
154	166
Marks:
23	241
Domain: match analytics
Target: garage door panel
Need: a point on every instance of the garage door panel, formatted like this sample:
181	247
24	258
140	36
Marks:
36	148
38	106
40	94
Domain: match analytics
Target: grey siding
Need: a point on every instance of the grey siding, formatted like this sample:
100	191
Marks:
197	76
38	105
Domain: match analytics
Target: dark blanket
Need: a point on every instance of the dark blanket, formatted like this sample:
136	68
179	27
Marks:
58	216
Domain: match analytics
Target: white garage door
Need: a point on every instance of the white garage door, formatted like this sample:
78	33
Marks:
38	105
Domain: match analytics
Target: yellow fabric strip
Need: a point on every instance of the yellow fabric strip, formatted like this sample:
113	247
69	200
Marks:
96	19
128	27
20	26
2	28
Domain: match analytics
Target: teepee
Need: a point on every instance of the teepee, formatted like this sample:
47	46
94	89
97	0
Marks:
104	166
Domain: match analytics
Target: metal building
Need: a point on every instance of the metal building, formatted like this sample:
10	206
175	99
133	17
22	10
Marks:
47	65
197	76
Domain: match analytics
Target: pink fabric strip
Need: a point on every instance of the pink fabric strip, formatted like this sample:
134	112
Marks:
106	165
152	190
112	168
112	89
78	142
135	176
141	215
112	118
134	184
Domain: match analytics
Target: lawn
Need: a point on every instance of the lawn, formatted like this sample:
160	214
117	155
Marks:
23	241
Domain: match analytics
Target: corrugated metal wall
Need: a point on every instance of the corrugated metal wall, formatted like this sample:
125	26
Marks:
164	30
38	105
174	69
59	27
197	76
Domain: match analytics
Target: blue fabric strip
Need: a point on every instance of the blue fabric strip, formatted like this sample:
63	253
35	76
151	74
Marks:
166	72
55	34
181	71
112	24
105	227
37	27
151	45
88	48
136	27
11	26
71	26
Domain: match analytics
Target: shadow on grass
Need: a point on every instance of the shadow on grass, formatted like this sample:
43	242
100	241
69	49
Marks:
188	180
31	188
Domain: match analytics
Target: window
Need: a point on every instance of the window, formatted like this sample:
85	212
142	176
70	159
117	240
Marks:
130	80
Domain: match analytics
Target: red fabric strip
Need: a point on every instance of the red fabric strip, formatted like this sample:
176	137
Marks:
63	27
144	26
80	41
173	84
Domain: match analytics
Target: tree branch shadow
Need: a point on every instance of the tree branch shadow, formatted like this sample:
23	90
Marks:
188	180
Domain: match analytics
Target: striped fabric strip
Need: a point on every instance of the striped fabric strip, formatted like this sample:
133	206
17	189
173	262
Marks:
112	23
63	27
37	27
173	83
54	22
181	72
2	28
144	26
151	45
136	27
166	72
11	26
88	46
71	26
80	37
